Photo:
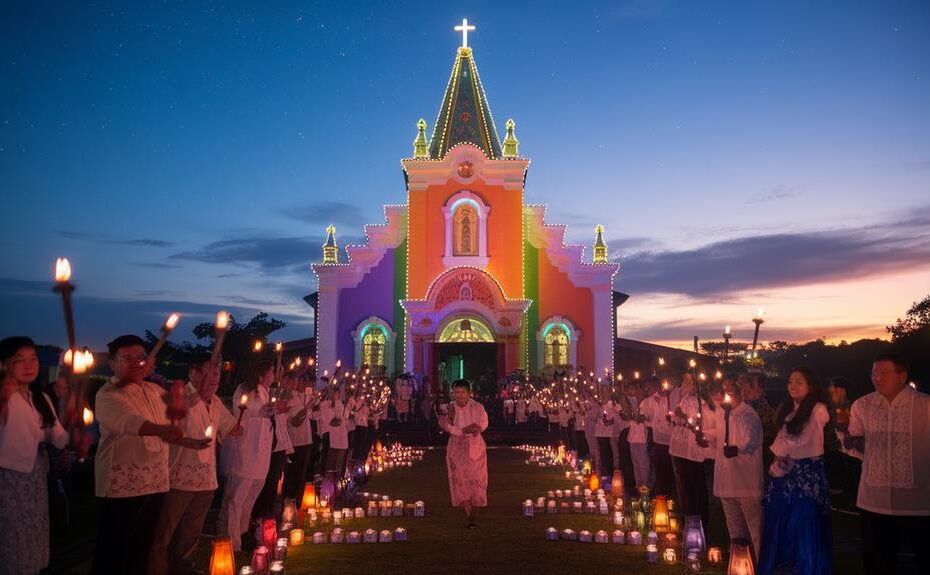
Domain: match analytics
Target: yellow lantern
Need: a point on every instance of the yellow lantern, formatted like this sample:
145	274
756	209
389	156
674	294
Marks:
296	537
222	562
660	519
714	556
594	482
309	499
740	558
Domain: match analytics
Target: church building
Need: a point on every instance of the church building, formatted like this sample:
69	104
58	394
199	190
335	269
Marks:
464	274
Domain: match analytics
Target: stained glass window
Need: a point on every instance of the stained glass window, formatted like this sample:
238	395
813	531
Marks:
556	346
373	348
465	227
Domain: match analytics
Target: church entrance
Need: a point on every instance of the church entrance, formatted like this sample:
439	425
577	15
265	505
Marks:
476	362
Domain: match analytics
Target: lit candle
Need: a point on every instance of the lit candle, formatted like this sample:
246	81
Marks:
78	366
208	432
87	416
727	330
166	330
88	359
62	270
69	357
222	320
222	326
243	400
257	346
64	287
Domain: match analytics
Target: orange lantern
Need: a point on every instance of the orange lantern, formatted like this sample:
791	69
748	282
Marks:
740	558
309	499
296	537
714	556
378	447
660	519
594	482
222	562
616	484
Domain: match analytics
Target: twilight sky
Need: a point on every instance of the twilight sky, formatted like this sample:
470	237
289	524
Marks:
187	158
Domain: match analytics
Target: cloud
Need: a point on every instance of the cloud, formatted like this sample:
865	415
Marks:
326	213
268	253
779	192
677	331
100	238
781	260
157	265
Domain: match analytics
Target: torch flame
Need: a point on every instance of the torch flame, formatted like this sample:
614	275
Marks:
62	270
222	319
243	399
88	358
68	357
257	346
278	346
727	398
87	416
78	365
172	321
760	313
692	363
208	432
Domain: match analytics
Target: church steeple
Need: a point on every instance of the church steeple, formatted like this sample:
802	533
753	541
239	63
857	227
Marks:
420	145
464	115
600	248
511	143
330	249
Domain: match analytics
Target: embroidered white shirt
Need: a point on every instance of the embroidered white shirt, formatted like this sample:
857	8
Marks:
808	443
195	469
739	476
128	464
656	409
896	461
684	442
338	435
300	434
249	456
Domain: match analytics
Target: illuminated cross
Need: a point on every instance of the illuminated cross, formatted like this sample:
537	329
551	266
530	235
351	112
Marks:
464	29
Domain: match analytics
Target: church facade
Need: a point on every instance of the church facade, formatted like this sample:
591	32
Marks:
465	264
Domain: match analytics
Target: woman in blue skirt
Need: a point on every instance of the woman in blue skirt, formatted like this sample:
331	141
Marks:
796	532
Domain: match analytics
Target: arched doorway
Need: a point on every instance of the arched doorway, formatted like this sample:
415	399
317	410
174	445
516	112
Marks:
466	348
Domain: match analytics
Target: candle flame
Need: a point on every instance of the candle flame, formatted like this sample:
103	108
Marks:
727	398
702	376
68	357
88	358
78	366
208	432
718	375
760	313
297	362
257	346
665	385
172	321
87	416
661	361
338	363
692	363
62	270
222	319
310	361
278	347
243	399
726	330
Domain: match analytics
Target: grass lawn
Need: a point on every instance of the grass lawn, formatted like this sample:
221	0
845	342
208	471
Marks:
505	541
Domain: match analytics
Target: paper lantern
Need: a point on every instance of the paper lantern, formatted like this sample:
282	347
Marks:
616	484
618	537
640	520
634	538
385	536
528	509
308	501
400	534
222	562
660	521
594	482
269	532
353	537
600	536
277	568
670	556
552	534
297	537
740	558
246	570
652	538
569	535
419	509
694	534
318	538
652	553
673	525
714	556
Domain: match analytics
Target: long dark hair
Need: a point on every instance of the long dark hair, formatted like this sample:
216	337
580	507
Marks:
253	373
816	394
8	348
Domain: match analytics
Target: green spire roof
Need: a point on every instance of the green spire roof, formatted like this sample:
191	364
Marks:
464	115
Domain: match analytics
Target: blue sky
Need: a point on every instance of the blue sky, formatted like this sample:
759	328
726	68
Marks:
740	154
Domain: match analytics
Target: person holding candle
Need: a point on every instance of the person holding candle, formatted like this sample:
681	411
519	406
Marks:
659	409
301	434
131	466
889	429
333	420
638	437
192	472
689	448
466	452
28	423
796	533
604	431
738	463
245	462
281	447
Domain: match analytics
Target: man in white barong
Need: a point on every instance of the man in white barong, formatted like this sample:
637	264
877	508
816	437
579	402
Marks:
889	429
466	453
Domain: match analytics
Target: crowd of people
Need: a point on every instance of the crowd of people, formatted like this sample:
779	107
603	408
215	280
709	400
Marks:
768	465
156	475
162	453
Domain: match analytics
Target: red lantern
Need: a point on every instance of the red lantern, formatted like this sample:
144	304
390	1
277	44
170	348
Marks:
269	532
616	484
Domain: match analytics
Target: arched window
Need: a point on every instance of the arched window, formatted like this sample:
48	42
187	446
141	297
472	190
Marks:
464	234
556	347
466	216
373	344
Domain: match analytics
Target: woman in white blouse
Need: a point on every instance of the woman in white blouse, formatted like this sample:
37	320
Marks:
466	452
796	533
27	422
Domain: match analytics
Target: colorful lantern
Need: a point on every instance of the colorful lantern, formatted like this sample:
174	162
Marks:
694	534
296	537
740	558
652	553
670	556
714	556
260	559
673	524
289	512
269	532
660	520
594	482
222	562
247	570
308	501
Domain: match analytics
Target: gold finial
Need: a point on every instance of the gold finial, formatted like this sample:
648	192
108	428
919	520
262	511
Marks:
330	249
600	248
511	143
420	145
